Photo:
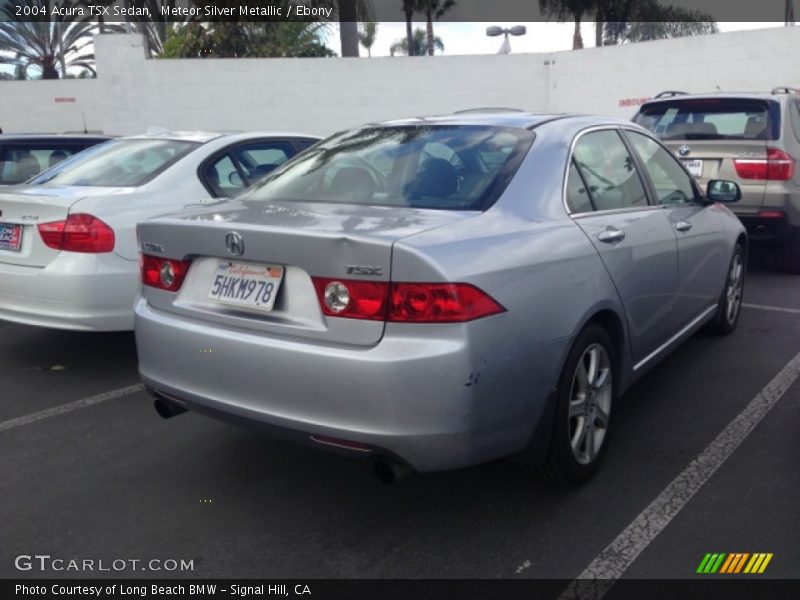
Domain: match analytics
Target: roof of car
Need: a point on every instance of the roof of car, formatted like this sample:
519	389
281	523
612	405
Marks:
11	137
720	95
204	137
496	118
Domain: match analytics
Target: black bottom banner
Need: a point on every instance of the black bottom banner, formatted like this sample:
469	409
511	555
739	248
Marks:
419	589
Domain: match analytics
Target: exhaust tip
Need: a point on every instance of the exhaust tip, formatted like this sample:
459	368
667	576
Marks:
168	408
389	472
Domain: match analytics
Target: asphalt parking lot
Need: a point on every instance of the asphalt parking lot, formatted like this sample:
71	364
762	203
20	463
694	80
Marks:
107	478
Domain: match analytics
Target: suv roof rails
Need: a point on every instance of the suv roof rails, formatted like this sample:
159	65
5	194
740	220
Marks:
488	109
785	90
669	94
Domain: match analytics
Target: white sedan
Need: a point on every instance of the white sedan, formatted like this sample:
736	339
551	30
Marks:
68	248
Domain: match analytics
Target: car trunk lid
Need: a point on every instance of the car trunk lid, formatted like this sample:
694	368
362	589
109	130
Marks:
24	208
304	241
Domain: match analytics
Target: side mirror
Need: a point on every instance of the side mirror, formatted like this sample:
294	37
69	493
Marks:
235	179
722	190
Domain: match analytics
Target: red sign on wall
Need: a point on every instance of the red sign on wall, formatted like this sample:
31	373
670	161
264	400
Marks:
633	101
61	99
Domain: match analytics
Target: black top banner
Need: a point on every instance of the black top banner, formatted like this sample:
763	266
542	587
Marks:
764	11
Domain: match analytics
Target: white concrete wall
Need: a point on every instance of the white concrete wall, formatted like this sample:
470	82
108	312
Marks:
323	95
301	94
596	79
48	106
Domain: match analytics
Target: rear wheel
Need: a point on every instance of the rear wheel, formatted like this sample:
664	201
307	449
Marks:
730	301
787	256
584	398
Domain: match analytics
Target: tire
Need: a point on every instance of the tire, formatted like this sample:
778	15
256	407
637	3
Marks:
787	256
730	301
584	397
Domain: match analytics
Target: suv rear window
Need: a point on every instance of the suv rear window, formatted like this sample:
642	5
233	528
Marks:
461	167
712	119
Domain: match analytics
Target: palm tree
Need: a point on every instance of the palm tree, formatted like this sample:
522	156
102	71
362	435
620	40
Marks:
419	44
409	8
560	10
349	13
434	9
53	46
367	36
645	20
348	27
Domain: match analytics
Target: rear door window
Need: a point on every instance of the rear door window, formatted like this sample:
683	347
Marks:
578	199
261	159
223	177
712	119
671	183
609	171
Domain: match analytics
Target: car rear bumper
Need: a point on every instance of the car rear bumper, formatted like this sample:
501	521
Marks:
772	230
83	292
431	402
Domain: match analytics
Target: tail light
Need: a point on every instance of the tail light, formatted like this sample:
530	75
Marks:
777	166
404	302
163	273
78	233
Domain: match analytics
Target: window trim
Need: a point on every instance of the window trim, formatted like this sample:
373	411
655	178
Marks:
645	185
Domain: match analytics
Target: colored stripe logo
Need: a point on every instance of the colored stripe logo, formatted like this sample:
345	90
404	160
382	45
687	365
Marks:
734	563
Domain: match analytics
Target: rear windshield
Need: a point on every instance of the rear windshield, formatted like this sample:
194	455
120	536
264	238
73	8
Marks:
20	162
440	167
121	163
712	119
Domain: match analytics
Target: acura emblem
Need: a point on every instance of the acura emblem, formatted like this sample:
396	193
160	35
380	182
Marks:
684	150
234	243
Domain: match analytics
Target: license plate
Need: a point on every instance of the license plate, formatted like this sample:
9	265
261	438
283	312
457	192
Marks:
10	237
695	167
246	284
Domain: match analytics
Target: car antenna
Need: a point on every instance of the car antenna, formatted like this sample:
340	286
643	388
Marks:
83	116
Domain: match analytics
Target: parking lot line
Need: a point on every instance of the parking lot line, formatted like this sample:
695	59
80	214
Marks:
69	407
775	308
612	562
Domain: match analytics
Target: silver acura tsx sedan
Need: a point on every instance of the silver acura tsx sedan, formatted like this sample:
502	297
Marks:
435	293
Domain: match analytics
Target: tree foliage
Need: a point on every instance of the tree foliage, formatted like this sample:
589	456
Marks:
367	35
644	20
620	21
44	43
419	44
246	40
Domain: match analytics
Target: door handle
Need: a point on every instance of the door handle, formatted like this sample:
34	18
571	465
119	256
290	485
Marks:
609	236
683	226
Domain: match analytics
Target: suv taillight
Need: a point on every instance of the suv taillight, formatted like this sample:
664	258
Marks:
78	233
163	273
777	166
404	302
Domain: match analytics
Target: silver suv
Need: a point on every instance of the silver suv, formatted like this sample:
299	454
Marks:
751	138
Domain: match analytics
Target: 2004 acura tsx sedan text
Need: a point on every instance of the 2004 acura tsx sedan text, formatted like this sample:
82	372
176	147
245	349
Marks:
435	293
